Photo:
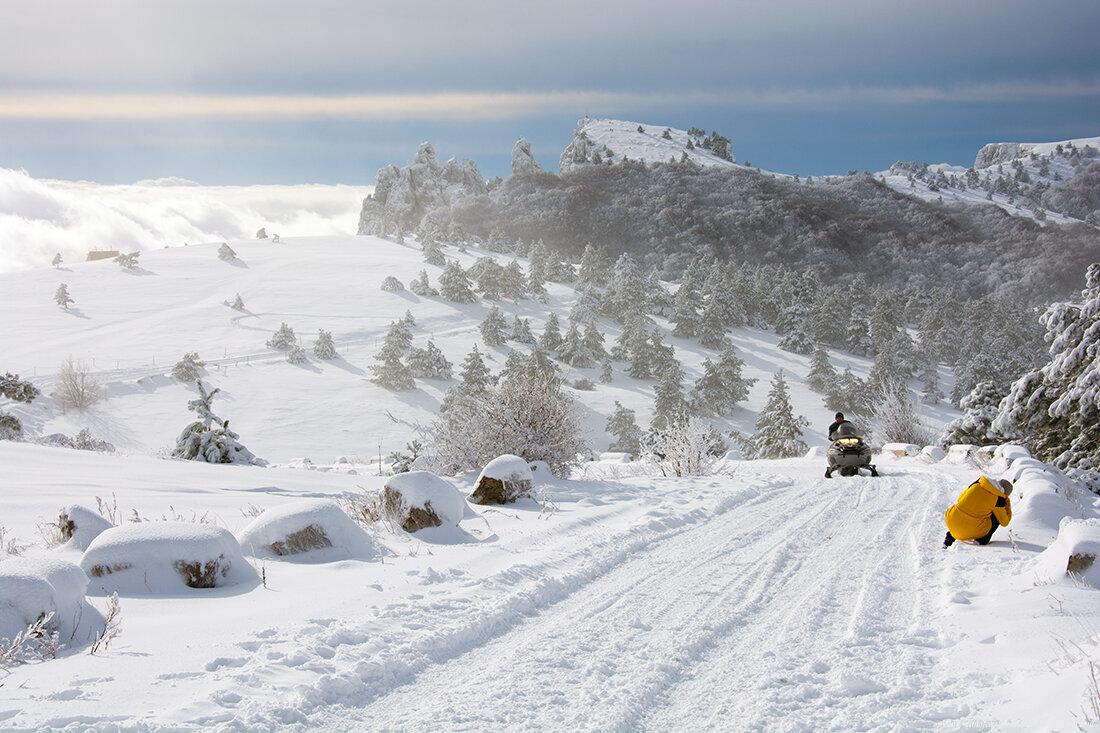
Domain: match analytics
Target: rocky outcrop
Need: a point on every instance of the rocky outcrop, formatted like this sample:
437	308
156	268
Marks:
522	160
404	196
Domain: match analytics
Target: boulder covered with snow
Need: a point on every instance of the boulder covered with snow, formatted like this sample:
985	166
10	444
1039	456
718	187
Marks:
1042	495
33	588
80	525
419	499
164	557
308	529
960	453
1073	554
900	450
503	480
933	453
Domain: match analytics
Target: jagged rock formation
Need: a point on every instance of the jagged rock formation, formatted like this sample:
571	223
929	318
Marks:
522	160
404	196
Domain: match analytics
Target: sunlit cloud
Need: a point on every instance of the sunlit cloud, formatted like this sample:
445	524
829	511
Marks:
470	106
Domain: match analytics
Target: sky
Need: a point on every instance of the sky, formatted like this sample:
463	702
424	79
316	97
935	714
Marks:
284	92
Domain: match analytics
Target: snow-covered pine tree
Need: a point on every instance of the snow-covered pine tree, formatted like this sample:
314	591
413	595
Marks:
283	339
586	308
488	278
822	374
626	295
687	303
607	371
209	438
474	376
61	296
390	373
296	355
628	436
433	253
521	331
551	334
428	362
454	284
391	284
493	328
849	394
721	387
980	408
513	283
595	267
188	368
56	261
237	304
573	350
225	252
593	341
128	261
669	404
420	286
778	430
323	348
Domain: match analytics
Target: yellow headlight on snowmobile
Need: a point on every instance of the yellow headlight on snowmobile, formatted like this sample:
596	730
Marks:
849	442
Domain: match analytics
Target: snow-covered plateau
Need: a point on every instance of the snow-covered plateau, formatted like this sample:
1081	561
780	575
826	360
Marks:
762	597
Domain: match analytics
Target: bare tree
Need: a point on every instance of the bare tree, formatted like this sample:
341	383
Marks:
76	387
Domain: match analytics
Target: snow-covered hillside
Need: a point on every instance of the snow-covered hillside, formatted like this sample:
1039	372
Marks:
1022	178
603	141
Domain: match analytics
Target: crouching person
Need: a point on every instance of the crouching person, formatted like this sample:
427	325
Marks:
981	508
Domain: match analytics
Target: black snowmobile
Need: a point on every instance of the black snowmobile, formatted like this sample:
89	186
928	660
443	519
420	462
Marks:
849	452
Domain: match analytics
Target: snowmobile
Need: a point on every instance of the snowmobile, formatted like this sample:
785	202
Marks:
849	452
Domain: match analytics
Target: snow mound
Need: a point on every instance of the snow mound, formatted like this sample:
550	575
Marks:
901	450
933	453
1073	553
164	557
80	525
503	480
419	499
1042	495
312	529
31	588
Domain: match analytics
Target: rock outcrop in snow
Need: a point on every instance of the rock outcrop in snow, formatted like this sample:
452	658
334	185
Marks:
419	499
314	529
598	141
522	159
404	196
503	480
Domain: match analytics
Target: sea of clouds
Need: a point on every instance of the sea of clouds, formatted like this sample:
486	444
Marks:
42	218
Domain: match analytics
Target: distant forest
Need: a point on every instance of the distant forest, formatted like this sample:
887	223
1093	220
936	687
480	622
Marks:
667	214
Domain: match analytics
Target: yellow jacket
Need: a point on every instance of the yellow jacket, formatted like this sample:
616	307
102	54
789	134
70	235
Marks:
968	518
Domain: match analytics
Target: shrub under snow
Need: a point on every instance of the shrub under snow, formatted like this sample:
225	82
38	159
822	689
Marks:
316	529
32	588
164	557
419	499
80	525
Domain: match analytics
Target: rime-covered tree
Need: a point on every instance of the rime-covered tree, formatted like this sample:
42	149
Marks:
551	334
283	339
474	375
573	349
892	362
433	253
225	252
593	341
56	261
595	267
238	303
494	328
420	285
607	371
488	277
628	436
61	296
521	331
17	390
454	284
849	394
188	368
687	303
323	347
296	355
586	308
428	362
391	284
389	371
209	438
822	374
627	291
513	283
980	408
669	404
721	387
778	431
128	260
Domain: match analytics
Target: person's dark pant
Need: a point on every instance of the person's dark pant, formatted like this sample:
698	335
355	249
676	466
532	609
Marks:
984	540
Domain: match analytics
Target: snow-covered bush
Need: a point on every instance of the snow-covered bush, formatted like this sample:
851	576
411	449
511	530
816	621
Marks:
188	368
391	284
296	355
896	419
323	348
164	557
83	440
76	387
128	261
529	415
316	529
419	499
688	446
77	526
504	480
209	438
225	252
47	592
283	339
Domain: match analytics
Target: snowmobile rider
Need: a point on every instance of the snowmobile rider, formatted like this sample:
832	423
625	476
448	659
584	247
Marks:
836	424
982	507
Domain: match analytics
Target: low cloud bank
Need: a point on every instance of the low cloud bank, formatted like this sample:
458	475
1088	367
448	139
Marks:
41	218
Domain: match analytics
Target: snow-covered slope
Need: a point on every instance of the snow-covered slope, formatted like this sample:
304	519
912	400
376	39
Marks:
601	141
1022	178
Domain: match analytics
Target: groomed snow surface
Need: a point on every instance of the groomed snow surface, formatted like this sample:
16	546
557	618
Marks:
763	598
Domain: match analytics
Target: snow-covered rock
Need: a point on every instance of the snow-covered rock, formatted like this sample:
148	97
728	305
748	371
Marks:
31	588
164	557
1073	553
522	159
901	450
1042	494
933	453
960	453
419	499
80	525
314	529
601	141
503	480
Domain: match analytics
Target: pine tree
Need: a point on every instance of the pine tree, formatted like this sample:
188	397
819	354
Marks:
687	303
428	363
225	252
628	436
420	285
390	373
586	309
488	277
669	404
848	394
209	438
56	261
721	387
61	296
474	375
573	349
593	342
237	304
595	267
187	369
513	283
493	328
822	374
975	427
454	284
551	338
323	348
626	294
391	284
521	330
433	253
296	355
778	431
283	339
607	372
